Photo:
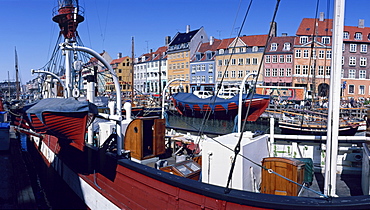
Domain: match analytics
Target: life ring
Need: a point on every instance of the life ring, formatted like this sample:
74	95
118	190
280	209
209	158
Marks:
75	93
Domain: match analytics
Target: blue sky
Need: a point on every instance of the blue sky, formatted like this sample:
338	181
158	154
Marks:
110	24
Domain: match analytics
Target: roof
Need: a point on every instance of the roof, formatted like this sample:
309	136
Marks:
183	37
280	41
253	40
119	60
307	27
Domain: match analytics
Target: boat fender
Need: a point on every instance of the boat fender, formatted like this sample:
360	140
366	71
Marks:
75	93
160	164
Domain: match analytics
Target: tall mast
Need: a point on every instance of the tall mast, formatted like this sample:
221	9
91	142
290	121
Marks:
68	15
132	69
16	75
334	101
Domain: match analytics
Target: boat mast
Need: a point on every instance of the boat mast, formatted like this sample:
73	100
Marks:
132	69
334	100
16	74
68	16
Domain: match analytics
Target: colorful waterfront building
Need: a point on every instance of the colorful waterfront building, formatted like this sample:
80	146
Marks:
237	57
122	67
180	50
202	66
278	62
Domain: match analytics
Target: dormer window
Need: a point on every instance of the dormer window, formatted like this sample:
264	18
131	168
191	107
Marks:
358	36
209	55
286	46
345	35
303	39
273	47
254	49
198	56
325	40
221	51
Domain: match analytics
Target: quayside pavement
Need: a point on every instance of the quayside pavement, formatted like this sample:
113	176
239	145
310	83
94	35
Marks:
15	185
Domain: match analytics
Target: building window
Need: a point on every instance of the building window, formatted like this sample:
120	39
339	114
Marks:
289	58
328	69
219	74
305	69
221	51
255	61
358	36
281	59
288	72
321	70
203	79
303	39
210	79
361	90
286	46
254	49
363	61
325	40
353	47
226	74
273	47
345	35
298	53
274	58
233	74
274	72
193	69
328	54
267	59
219	62
352	73
267	73
233	61
351	89
297	69
226	62
352	61
321	54
210	68
198	67
240	74
281	72
240	61
203	67
363	48
305	53
247	61
362	74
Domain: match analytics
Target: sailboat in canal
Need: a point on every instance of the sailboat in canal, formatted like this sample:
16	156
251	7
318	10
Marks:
126	164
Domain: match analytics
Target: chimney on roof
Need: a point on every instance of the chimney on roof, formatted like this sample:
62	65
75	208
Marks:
167	40
361	23
284	34
321	16
119	55
211	40
187	28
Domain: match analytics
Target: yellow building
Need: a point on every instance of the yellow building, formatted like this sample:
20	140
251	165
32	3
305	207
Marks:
182	47
123	68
